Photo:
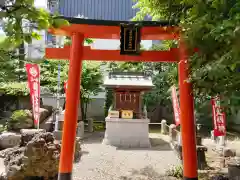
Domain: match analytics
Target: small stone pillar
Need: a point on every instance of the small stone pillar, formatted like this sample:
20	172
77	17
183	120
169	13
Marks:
213	138
222	141
172	132
90	125
80	129
179	139
164	126
202	163
201	157
77	151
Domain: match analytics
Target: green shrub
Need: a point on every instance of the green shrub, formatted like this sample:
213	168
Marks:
20	119
176	171
2	128
108	101
98	126
19	115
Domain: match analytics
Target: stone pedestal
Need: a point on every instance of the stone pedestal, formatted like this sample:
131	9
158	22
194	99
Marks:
127	133
9	140
234	169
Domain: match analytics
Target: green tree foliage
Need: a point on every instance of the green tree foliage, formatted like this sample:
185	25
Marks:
21	21
90	83
91	75
108	101
20	18
14	88
49	73
126	66
212	27
12	66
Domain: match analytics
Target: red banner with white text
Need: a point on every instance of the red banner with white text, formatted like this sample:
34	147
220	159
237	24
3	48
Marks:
219	118
33	74
65	86
176	108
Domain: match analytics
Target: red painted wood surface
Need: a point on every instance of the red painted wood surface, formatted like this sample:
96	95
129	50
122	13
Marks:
114	55
127	101
113	32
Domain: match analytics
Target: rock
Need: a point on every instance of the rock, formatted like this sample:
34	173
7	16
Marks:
48	108
48	124
7	151
28	134
227	152
39	158
58	135
9	140
234	168
45	112
32	131
220	177
77	151
3	176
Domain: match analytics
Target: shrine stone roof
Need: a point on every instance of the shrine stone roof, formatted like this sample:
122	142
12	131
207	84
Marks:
128	79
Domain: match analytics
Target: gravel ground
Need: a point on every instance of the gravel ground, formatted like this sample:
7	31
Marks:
102	162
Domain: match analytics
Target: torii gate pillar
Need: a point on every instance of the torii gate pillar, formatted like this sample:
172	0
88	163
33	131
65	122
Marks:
71	111
187	119
110	30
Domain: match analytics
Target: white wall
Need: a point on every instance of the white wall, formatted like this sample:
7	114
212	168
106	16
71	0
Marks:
115	44
36	50
95	107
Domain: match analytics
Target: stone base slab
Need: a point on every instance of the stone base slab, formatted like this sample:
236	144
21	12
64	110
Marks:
127	133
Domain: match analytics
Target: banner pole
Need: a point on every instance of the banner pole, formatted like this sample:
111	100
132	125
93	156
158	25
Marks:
39	94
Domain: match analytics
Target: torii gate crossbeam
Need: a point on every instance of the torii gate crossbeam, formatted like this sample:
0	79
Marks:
76	53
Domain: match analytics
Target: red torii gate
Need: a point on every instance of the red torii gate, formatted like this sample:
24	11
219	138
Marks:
78	30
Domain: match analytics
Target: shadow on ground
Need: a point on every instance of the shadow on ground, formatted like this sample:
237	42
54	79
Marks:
94	138
146	173
157	144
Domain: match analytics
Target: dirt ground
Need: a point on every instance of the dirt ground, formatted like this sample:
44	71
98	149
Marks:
218	164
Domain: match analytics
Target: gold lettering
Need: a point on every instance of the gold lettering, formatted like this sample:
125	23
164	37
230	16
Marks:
130	39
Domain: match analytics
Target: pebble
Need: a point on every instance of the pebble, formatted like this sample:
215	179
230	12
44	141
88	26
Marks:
103	162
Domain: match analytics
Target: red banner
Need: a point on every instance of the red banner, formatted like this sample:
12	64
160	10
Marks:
33	73
219	118
65	87
176	109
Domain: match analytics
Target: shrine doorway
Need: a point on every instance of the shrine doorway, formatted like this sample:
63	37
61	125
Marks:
130	34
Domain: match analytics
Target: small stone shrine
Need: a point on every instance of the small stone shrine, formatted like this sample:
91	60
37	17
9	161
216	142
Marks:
127	122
